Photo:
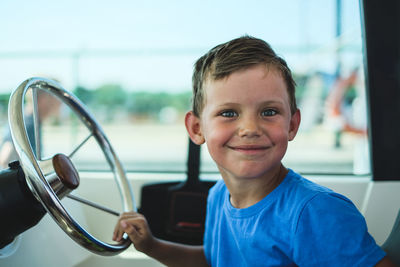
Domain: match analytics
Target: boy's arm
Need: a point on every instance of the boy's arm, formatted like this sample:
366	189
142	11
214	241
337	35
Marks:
174	254
168	253
385	262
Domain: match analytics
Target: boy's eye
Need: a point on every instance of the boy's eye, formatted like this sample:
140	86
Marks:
268	112
228	113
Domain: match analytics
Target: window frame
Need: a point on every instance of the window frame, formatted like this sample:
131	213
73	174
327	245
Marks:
381	43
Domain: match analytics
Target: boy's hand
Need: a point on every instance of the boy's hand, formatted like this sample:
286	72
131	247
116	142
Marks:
168	253
135	225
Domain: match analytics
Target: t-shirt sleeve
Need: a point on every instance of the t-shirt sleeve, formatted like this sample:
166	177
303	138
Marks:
213	201
330	231
207	234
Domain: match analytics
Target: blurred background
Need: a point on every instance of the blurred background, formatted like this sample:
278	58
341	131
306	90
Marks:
131	63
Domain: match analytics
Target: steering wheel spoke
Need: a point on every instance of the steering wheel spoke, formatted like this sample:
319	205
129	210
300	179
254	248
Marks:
93	204
78	147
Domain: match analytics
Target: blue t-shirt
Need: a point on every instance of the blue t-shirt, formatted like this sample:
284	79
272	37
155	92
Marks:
299	223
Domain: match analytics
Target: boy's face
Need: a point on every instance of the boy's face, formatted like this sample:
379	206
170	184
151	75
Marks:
246	122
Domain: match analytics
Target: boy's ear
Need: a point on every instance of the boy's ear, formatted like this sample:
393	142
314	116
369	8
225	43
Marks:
294	124
192	123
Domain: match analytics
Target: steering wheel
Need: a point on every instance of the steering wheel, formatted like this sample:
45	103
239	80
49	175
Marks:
52	178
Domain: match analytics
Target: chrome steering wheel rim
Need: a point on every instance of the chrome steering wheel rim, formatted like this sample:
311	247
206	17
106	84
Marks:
36	180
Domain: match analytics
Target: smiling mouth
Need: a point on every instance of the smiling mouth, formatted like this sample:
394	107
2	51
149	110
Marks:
249	149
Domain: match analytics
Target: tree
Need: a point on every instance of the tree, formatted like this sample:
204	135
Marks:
110	95
85	95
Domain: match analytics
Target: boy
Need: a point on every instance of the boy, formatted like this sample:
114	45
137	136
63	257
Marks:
260	213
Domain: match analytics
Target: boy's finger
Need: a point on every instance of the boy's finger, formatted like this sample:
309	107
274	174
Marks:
117	234
130	230
127	215
118	231
124	224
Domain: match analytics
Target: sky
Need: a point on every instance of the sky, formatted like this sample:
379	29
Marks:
152	45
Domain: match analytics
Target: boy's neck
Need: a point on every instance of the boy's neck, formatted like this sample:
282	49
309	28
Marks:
245	193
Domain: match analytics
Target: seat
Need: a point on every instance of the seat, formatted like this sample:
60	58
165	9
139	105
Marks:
392	243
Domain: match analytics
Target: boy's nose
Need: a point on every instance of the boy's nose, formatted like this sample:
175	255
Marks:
249	128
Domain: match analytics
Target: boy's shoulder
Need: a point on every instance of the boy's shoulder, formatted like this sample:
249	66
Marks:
308	200
296	188
294	185
296	180
294	194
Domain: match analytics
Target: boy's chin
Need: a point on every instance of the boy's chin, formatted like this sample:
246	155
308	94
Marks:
251	173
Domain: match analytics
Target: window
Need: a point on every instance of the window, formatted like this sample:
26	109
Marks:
131	63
